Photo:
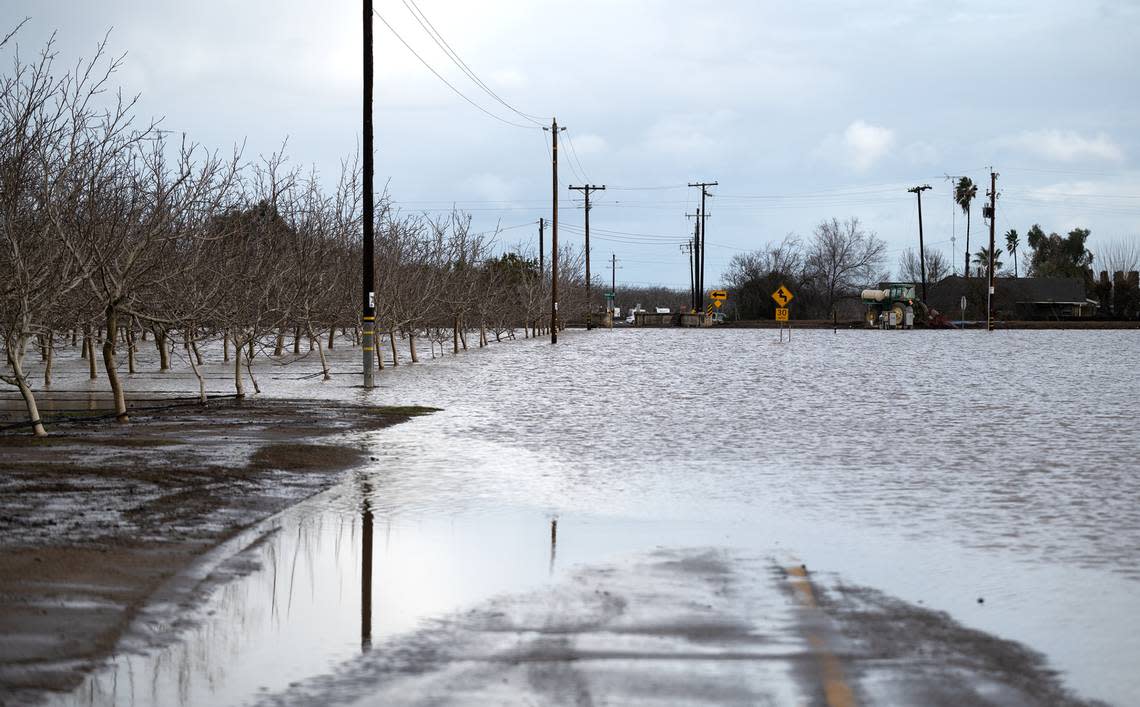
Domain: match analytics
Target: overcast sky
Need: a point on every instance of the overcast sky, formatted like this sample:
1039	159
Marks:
801	110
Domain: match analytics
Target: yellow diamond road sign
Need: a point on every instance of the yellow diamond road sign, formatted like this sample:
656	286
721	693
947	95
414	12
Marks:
782	295
717	303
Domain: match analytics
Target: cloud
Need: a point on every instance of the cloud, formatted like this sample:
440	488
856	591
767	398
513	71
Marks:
1066	145
491	187
860	146
691	135
590	144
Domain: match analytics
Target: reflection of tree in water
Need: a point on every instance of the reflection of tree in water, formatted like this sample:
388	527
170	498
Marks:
253	605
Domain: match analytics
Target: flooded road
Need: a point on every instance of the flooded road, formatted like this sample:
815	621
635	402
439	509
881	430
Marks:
990	476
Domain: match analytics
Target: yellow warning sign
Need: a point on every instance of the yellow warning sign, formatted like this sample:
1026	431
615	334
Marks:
782	295
781	314
717	303
718	295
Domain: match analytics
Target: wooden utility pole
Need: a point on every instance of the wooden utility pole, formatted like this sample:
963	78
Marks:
368	323
613	277
586	189
541	264
700	274
554	130
993	224
695	260
917	191
687	247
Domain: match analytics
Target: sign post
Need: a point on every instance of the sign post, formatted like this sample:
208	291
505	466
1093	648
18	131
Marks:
782	296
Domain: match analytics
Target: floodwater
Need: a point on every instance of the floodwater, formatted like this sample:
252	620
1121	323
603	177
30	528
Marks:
938	467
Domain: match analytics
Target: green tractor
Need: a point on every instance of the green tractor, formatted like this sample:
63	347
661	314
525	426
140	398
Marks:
894	305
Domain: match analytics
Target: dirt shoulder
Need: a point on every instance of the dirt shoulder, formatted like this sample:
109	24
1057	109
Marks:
98	517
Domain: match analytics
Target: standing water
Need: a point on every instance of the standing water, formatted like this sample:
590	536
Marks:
935	467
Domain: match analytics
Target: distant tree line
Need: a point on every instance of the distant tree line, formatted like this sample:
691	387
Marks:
110	231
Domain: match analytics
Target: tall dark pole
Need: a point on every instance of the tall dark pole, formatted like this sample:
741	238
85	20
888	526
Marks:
541	263
368	325
692	283
701	246
694	259
554	232
366	574
990	278
586	189
917	191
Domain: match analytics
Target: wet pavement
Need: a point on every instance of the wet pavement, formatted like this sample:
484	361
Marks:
910	478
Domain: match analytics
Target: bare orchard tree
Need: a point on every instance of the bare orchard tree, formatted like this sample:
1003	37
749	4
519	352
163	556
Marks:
937	267
36	273
841	258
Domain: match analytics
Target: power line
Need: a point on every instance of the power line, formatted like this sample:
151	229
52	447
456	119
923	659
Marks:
443	44
445	81
574	153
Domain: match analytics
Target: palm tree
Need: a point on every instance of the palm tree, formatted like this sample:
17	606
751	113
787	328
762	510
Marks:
982	260
1012	241
964	192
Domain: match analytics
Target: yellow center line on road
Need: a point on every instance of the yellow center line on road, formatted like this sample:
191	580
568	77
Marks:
835	688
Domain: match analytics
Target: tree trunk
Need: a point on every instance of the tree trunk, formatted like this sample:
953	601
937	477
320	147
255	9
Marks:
412	346
463	338
297	340
14	360
249	366
50	356
194	347
197	373
455	337
239	385
90	352
109	363
225	345
332	337
321	352
279	348
131	347
483	334
163	351
395	354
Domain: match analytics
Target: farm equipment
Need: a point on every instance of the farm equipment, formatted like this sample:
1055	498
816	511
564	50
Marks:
894	305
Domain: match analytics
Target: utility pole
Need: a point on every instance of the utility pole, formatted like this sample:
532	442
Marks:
695	260
701	247
613	277
993	222
541	264
368	325
917	191
687	247
554	130
586	189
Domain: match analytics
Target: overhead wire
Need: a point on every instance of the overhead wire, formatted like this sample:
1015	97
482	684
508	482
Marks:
445	81
443	44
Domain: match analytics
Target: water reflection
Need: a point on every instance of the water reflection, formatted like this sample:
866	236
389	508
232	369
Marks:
904	480
366	568
553	542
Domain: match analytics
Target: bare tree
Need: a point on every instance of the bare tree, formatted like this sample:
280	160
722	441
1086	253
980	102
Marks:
937	267
842	258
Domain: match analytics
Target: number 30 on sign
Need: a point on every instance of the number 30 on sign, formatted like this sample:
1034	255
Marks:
781	314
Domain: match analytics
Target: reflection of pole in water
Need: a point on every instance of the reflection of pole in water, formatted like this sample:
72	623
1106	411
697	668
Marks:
553	542
366	575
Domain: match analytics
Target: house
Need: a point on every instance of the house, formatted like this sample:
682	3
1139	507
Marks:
1025	298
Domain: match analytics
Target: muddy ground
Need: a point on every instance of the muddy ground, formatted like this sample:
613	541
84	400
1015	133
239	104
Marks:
97	519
